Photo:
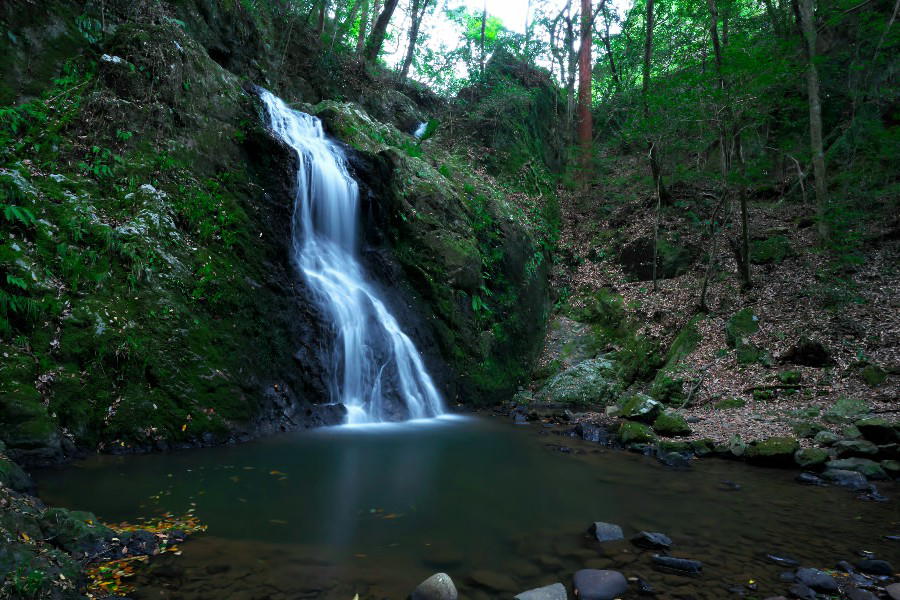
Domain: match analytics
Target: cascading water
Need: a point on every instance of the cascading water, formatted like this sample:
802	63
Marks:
374	364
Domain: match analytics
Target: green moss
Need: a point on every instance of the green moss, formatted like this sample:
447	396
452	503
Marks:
789	377
811	457
777	450
846	409
728	403
772	250
631	432
762	395
873	375
671	425
741	325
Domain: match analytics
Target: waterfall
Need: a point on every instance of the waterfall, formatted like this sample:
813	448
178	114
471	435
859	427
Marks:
420	130
376	370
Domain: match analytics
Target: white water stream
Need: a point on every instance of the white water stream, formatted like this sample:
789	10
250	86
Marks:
374	364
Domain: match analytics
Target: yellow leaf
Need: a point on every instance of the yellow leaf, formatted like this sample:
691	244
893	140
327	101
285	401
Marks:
183	427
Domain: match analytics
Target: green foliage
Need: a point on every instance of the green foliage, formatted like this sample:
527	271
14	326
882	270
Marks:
728	403
28	583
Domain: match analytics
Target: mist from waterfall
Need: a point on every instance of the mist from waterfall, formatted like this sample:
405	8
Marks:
374	364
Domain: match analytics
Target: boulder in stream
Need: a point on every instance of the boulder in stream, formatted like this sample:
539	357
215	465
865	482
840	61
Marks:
680	566
557	591
437	587
652	540
847	479
606	532
597	584
817	580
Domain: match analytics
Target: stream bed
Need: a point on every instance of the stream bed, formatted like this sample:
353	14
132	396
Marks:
374	510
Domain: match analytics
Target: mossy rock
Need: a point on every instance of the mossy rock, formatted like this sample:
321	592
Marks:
703	447
590	382
789	377
846	409
74	531
762	395
891	467
873	375
631	432
807	429
826	438
667	446
879	430
12	476
869	468
773	451
729	403
666	388
639	407
740	326
772	250
855	448
748	354
808	458
671	425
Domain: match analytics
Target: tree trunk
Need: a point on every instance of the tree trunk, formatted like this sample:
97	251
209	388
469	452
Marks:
609	52
483	27
320	25
806	16
363	27
585	79
373	47
653	154
418	13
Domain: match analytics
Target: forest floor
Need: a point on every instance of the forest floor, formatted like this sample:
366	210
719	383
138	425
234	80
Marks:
851	309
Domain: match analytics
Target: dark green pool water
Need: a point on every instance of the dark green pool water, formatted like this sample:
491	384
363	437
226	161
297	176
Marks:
335	512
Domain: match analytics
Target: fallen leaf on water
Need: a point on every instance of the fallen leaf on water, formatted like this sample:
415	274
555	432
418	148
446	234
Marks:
278	522
274	472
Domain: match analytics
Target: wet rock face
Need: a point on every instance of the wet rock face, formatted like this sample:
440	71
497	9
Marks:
437	587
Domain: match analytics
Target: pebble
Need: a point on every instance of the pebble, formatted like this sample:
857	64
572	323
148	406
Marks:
594	584
557	591
817	580
653	540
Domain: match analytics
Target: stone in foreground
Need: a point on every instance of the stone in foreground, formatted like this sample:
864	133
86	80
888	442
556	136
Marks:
684	566
437	587
596	584
557	591
819	581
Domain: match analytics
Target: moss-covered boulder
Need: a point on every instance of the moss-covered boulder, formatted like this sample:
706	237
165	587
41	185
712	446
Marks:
631	432
859	448
846	409
730	403
703	447
12	476
873	375
774	451
667	385
590	382
771	250
826	438
869	468
807	429
638	407
74	531
891	467
809	458
671	425
879	430
741	326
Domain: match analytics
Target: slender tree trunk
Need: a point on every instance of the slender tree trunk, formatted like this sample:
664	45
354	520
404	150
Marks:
653	154
320	25
376	40
363	27
806	16
527	26
418	13
773	17
585	79
609	52
483	28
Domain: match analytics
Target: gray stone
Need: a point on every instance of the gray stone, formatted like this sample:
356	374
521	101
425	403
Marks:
875	567
684	566
869	468
595	584
854	593
653	540
818	580
437	587
861	448
848	479
893	591
557	591
606	532
826	438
